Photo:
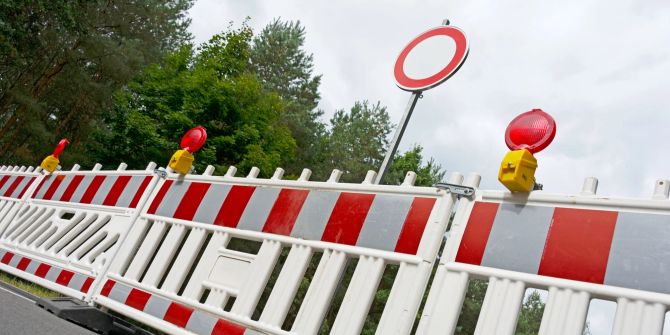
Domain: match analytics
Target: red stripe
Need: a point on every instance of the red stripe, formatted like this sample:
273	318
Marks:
64	277
13	186
140	191
232	208
159	197
578	244
87	285
285	211
477	233
42	270
107	288
3	180
137	299
7	258
223	327
23	264
191	200
115	191
415	224
37	190
347	218
53	187
30	182
71	188
177	314
92	189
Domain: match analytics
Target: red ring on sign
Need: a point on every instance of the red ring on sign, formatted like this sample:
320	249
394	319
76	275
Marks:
409	84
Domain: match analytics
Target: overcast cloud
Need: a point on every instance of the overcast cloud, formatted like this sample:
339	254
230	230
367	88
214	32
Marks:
601	68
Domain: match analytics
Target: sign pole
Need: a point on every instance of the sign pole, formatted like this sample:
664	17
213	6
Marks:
393	146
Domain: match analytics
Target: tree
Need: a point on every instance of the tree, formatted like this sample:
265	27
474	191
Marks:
210	86
61	61
412	160
284	67
357	140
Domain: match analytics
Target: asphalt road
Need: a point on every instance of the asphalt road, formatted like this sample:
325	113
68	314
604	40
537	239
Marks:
19	315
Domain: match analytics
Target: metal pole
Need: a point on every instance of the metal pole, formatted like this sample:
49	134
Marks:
393	146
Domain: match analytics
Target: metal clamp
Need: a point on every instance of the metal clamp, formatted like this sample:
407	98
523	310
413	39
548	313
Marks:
161	172
460	190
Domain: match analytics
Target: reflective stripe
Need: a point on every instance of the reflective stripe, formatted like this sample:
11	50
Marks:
578	244
71	188
258	209
58	194
115	191
119	293
476	234
81	188
32	267
53	274
21	187
517	238
415	225
92	189
25	188
232	208
172	198
130	191
190	201
384	222
77	281
285	211
346	220
211	203
104	190
638	258
157	306
8	183
201	323
15	261
311	221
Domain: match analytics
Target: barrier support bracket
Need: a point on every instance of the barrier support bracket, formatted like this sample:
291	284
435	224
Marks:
460	190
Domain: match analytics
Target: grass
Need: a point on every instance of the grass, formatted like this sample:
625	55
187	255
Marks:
27	286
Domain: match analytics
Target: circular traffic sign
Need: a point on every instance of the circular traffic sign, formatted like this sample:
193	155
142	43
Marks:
194	139
533	131
431	58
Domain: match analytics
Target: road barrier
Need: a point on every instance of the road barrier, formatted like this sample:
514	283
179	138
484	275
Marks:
70	224
203	254
182	270
576	247
15	181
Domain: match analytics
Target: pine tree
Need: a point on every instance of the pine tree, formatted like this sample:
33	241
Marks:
61	61
283	66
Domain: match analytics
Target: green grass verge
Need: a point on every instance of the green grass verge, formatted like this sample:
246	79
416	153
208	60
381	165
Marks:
27	286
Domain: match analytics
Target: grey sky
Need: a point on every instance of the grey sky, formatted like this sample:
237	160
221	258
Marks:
601	68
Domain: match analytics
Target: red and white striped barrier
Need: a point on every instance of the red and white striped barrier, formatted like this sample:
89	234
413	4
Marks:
576	247
72	223
14	185
180	253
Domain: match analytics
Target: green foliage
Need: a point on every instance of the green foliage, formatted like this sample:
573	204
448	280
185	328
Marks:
61	61
357	140
284	67
210	86
412	160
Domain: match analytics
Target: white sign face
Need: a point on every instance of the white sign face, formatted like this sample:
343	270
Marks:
431	58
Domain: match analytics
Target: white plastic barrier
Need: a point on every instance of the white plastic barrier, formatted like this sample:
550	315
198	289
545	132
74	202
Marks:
70	226
575	247
14	185
177	271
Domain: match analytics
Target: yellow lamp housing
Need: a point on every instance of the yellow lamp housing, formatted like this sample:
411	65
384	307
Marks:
181	161
50	163
517	171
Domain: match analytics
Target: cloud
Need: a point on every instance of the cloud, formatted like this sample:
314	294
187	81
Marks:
599	67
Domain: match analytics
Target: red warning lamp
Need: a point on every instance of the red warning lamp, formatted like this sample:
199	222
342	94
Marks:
533	131
50	163
194	139
527	134
60	147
